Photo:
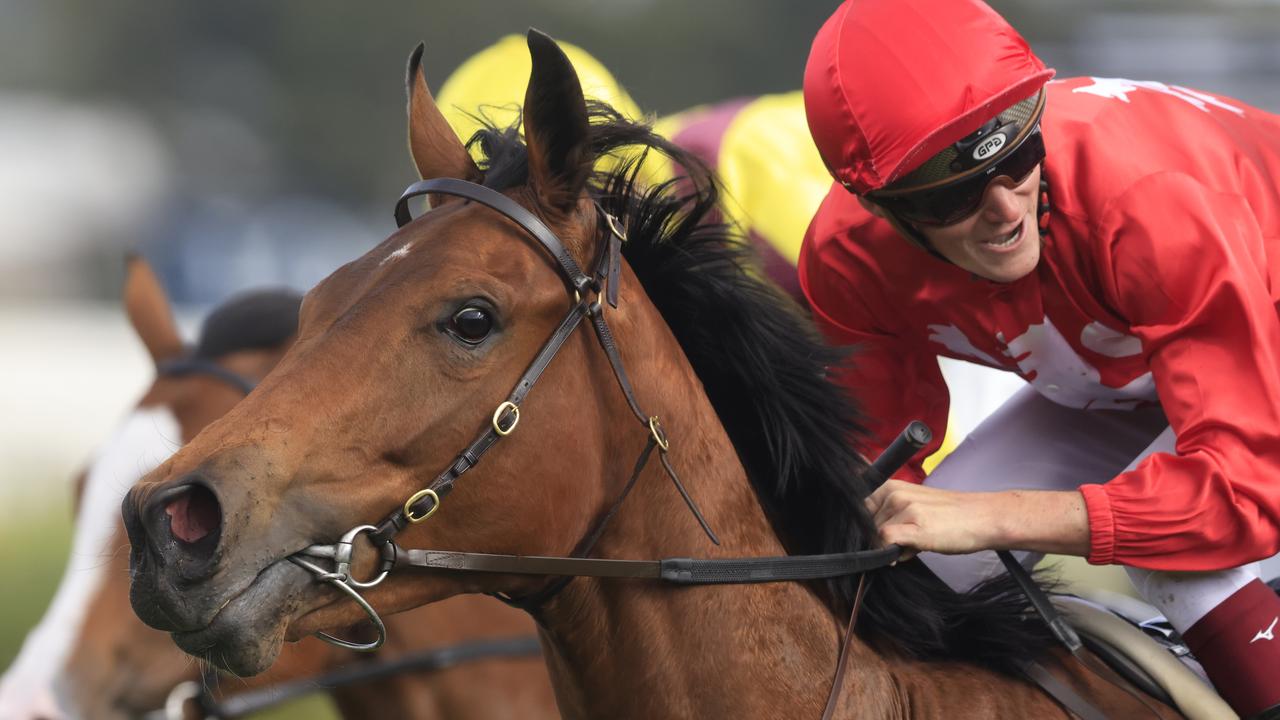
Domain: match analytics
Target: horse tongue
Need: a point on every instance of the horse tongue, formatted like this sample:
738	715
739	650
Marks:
189	521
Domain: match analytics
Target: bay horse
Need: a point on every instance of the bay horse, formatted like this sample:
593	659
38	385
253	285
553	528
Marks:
91	657
395	388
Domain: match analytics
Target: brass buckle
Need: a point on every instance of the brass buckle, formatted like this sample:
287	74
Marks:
408	505
659	435
515	418
611	221
614	228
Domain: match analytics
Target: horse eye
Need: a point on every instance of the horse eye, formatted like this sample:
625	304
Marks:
471	324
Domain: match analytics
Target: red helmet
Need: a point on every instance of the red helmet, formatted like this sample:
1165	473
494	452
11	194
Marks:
891	83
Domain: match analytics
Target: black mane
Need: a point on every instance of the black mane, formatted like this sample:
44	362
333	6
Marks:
765	370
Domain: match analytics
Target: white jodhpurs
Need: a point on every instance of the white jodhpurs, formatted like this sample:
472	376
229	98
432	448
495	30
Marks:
1031	442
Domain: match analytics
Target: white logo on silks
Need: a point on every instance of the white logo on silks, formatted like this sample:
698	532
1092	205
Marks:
989	147
1049	363
1119	89
1265	634
950	337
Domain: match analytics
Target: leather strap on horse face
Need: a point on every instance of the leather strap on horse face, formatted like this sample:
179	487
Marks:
527	221
182	367
607	269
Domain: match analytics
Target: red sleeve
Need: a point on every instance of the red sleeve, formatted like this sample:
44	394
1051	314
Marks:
1186	267
893	380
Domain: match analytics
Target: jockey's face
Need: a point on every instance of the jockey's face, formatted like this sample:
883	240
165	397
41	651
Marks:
1000	241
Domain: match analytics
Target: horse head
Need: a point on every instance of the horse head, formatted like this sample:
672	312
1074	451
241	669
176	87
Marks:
90	656
402	356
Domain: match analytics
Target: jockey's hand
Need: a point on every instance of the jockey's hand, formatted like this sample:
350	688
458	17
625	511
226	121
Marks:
920	518
923	518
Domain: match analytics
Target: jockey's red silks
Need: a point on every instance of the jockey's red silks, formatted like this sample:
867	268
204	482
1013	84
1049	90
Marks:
1158	280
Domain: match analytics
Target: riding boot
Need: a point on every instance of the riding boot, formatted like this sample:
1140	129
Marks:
1238	643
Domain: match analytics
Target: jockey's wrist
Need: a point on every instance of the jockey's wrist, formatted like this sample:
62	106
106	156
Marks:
1041	521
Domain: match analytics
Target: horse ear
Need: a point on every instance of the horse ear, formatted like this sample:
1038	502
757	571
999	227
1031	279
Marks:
436	150
555	126
147	306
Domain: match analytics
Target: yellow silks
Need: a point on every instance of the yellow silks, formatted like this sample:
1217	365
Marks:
490	86
771	171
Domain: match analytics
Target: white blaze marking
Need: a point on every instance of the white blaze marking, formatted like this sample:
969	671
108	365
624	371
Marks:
396	254
147	438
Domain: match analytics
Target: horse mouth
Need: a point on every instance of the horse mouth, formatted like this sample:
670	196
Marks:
245	635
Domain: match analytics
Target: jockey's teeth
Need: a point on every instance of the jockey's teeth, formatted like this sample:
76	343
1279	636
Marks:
1013	236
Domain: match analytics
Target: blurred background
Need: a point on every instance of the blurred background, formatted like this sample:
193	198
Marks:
240	144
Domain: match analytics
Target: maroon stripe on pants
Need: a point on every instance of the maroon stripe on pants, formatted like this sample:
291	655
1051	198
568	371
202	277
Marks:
1238	643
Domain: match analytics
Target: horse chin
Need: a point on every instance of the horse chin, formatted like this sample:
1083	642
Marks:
245	636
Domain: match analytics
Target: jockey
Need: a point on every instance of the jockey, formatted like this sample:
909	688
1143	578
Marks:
1116	244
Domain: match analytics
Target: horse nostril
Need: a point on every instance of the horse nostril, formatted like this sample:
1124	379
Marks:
194	514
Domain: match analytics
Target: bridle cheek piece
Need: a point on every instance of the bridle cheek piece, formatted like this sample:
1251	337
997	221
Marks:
681	571
506	416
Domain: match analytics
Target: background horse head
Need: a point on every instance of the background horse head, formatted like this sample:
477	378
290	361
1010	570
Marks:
405	355
91	657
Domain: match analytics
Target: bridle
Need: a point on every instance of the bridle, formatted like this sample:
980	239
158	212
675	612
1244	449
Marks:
603	283
587	294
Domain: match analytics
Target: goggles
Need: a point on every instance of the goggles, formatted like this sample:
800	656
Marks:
954	200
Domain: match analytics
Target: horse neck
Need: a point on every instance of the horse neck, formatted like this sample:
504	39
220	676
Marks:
637	649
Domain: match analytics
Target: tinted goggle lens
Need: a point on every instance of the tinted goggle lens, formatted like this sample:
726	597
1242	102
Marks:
954	202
